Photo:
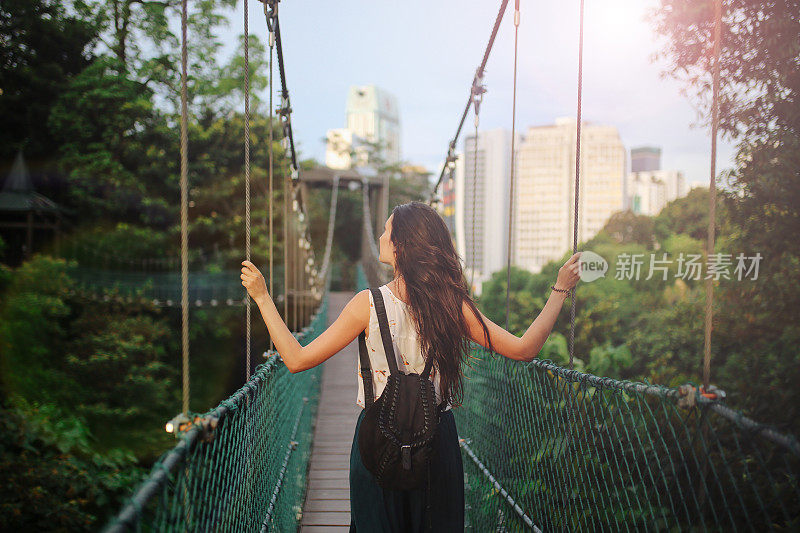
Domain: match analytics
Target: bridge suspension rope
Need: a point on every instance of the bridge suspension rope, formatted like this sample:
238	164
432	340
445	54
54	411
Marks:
478	76
270	12
577	186
712	197
248	310
477	96
184	212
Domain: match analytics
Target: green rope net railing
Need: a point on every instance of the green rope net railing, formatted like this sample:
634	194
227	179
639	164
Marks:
242	465
164	288
551	449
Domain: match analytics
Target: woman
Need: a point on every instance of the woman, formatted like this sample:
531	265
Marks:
430	315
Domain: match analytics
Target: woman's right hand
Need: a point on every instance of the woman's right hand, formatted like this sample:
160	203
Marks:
569	274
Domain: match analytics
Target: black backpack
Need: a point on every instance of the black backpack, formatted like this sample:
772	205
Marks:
398	431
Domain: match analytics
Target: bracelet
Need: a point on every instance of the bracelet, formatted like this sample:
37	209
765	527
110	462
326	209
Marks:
558	290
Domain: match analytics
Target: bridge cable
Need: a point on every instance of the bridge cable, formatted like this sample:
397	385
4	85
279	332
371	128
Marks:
478	74
270	14
474	195
249	431
285	248
247	172
712	198
504	364
184	210
286	108
577	187
511	179
477	97
326	259
285	112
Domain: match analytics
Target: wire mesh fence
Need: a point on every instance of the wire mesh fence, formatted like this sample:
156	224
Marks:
551	449
242	465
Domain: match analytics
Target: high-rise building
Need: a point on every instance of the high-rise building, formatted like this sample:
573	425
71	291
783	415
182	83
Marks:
647	192
648	188
544	199
345	149
485	167
372	114
372	117
645	158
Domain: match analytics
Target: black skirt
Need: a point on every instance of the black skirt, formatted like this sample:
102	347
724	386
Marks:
373	509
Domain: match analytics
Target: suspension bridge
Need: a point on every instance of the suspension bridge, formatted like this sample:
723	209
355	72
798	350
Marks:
545	447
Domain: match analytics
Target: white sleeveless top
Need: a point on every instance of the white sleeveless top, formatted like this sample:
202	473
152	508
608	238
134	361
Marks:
405	341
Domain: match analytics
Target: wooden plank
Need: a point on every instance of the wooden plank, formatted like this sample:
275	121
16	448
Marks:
327	505
329	484
329	494
321	463
330	474
328	518
314	506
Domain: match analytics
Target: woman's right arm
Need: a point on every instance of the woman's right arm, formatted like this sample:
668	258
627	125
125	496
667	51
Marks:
527	347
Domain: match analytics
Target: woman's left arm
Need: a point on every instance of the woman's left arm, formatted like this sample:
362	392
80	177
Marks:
353	319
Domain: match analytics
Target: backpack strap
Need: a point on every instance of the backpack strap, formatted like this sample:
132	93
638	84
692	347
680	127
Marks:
386	336
380	310
366	370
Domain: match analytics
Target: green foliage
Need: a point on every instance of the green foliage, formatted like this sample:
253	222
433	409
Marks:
93	377
120	367
758	61
685	216
142	36
521	299
52	480
121	247
607	360
556	349
106	363
43	45
99	121
755	332
33	327
407	189
626	227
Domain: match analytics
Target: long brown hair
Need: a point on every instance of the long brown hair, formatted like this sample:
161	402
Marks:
436	289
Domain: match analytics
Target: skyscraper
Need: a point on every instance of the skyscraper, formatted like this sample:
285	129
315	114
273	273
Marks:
645	158
485	201
544	197
649	191
372	116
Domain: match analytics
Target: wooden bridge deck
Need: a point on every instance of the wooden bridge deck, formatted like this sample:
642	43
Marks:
327	505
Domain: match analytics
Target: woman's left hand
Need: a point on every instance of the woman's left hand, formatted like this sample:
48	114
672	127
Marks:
254	282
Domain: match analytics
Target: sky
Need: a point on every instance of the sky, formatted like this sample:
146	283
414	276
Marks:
425	54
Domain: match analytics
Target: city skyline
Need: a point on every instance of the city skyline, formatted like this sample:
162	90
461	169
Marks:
431	74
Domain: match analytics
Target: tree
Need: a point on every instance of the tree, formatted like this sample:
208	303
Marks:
52	480
522	301
42	48
687	215
106	362
627	227
760	92
101	122
759	70
141	36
